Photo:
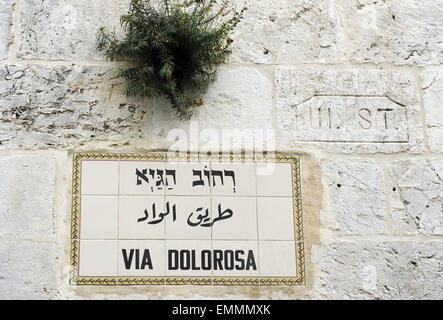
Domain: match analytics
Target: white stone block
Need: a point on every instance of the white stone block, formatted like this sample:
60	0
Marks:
66	30
349	111
46	106
5	26
433	100
27	193
417	197
237	104
396	31
356	196
27	271
379	270
289	31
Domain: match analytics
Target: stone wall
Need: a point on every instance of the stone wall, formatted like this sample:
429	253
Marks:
376	212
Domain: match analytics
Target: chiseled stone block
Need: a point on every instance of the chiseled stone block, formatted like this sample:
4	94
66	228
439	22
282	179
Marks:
27	270
417	197
356	196
379	270
27	192
352	110
396	31
59	106
289	31
66	30
237	104
5	26
433	101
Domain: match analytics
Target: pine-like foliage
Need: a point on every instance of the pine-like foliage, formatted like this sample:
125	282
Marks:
177	47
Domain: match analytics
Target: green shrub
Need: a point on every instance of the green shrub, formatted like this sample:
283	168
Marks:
177	48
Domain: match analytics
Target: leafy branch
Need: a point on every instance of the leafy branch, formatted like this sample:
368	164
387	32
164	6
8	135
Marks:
177	48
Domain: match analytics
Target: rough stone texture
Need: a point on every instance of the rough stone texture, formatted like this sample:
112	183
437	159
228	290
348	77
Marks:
396	31
27	197
240	99
356	196
417	197
433	100
57	106
379	205
369	110
289	31
5	26
27	270
66	30
379	270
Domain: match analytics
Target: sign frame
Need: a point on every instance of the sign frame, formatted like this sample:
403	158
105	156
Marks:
294	160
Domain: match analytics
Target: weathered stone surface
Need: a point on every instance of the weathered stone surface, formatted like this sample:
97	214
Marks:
5	26
356	196
396	31
353	110
27	270
47	106
379	270
397	217
27	197
64	30
433	100
289	31
239	102
417	197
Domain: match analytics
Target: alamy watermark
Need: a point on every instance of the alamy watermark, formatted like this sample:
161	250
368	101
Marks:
257	144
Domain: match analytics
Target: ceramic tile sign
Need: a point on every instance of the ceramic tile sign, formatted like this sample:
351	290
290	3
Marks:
146	219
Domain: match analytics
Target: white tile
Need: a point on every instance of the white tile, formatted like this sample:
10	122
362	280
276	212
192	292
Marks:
188	210
277	259
278	183
189	258
98	258
275	218
192	178
137	219
239	218
99	177
233	179
265	165
235	258
142	177
141	258
99	217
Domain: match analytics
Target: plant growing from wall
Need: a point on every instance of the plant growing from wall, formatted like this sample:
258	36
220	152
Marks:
177	48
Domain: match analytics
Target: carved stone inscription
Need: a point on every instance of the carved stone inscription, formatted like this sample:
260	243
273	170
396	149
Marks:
331	118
